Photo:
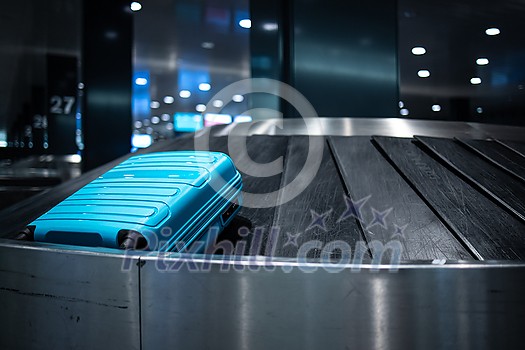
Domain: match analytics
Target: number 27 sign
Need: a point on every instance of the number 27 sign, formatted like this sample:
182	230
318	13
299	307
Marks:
61	104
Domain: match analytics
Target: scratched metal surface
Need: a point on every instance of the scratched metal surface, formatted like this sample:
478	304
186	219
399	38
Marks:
389	207
499	155
487	230
57	298
281	307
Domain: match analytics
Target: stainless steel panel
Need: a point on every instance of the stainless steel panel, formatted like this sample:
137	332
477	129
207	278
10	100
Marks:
428	306
396	127
53	298
504	132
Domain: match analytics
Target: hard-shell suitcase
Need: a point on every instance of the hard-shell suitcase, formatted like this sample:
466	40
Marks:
159	201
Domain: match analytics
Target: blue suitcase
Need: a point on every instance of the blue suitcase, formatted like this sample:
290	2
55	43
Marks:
159	201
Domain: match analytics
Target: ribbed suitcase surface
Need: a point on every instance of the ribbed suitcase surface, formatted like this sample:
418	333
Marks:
169	198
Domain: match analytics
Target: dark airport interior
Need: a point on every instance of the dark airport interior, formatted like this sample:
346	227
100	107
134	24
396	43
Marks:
248	174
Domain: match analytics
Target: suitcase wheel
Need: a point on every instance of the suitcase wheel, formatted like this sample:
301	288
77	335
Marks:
131	240
27	234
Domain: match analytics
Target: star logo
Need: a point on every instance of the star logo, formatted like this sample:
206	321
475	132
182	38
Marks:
291	239
353	208
399	231
379	218
318	220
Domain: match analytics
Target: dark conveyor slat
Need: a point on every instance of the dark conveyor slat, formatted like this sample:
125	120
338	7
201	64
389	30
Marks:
260	150
517	147
499	155
316	213
367	173
494	182
483	226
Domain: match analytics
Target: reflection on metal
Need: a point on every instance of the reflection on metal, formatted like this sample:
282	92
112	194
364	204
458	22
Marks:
82	299
55	298
433	306
395	127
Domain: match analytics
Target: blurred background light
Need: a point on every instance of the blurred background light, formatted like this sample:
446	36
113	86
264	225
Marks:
245	23
141	140
423	73
418	50
482	61
238	98
204	87
475	81
492	31
184	93
135	6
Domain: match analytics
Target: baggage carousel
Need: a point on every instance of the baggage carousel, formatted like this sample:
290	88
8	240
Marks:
356	233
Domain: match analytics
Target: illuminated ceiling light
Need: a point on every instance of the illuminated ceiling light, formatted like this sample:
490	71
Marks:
423	73
138	124
165	117
401	104
482	61
184	93
154	104
492	31
168	100
135	6
207	45
141	81
245	23
475	81
418	50
141	141
404	111
80	86
218	103
75	158
218	118
200	107
243	119
169	126
238	98
479	110
436	108
155	120
204	87
270	26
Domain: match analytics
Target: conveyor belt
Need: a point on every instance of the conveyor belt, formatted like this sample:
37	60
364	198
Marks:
71	297
369	176
499	155
486	229
517	147
492	181
318	213
438	198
